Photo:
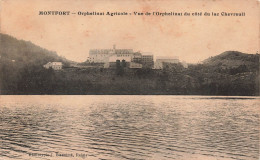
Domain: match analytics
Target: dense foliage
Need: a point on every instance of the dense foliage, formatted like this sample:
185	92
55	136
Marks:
22	72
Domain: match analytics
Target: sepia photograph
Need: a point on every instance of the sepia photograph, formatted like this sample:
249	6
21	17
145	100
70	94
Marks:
132	79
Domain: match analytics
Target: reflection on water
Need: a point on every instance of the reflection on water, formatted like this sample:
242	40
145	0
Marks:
128	127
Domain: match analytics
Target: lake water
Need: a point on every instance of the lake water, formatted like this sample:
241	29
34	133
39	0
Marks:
129	127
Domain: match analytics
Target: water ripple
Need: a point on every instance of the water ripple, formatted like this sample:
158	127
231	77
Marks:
130	127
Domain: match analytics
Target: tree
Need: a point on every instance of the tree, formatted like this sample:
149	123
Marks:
123	63
119	68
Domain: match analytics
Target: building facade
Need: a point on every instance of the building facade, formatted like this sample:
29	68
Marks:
100	55
103	55
160	60
109	56
147	61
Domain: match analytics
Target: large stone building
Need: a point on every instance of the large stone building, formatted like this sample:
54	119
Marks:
103	55
110	56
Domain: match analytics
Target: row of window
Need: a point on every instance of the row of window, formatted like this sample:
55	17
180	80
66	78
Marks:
123	55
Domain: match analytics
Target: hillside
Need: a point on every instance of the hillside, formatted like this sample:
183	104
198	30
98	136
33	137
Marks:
233	59
25	52
18	56
229	73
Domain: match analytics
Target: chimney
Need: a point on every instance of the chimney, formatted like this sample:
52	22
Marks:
114	46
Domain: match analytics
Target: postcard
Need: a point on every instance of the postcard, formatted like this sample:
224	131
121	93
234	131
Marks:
133	79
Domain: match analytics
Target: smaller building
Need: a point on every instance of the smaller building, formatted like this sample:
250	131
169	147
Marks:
161	60
147	60
53	65
137	57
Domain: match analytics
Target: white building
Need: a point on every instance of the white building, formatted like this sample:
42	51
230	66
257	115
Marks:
160	60
53	65
102	55
110	56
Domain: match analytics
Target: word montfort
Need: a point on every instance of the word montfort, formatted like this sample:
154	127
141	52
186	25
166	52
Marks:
67	13
94	13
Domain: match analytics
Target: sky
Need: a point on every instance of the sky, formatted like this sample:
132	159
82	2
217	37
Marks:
191	38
